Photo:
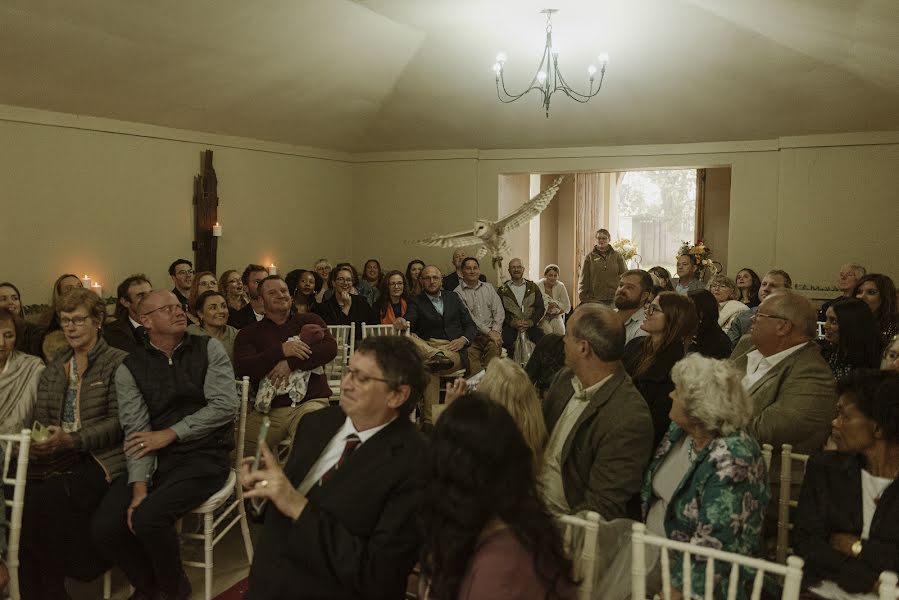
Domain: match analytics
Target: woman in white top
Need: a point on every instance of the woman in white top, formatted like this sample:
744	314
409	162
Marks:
724	290
19	375
556	299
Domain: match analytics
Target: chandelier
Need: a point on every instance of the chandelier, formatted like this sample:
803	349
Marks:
548	79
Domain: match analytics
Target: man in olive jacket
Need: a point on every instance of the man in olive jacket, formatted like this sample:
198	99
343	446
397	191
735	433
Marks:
600	428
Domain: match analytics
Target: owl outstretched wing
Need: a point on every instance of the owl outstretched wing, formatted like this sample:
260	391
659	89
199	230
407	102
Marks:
450	240
529	209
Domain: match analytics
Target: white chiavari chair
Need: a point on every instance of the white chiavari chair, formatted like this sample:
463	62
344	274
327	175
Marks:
888	589
370	330
786	501
15	445
579	540
346	345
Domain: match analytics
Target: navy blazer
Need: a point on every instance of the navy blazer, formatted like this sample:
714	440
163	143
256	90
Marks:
357	537
427	323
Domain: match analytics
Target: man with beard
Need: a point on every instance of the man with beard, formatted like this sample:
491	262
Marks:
633	294
254	310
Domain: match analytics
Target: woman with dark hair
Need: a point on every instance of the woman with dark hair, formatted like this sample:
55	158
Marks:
212	314
204	281
664	278
879	293
32	336
413	270
344	307
710	340
19	374
846	526
748	286
852	338
370	282
671	323
487	533
307	286
231	285
392	302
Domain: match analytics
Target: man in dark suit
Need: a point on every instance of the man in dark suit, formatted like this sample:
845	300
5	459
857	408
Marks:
443	330
340	517
126	332
254	309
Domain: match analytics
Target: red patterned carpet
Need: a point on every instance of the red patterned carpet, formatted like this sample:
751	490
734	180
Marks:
236	592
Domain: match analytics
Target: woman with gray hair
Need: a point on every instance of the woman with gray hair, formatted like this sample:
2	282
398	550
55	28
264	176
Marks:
707	483
724	290
556	300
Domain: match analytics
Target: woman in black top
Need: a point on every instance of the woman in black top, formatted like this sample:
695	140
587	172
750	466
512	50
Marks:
852	340
344	308
710	340
879	293
748	286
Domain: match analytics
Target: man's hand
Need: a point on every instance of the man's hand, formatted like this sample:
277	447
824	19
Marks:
279	373
141	443
58	441
297	348
497	337
138	493
842	542
401	324
455	390
270	482
456	345
520	324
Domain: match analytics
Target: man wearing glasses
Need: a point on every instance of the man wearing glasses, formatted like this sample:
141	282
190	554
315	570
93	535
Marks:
340	517
182	273
177	404
773	280
784	373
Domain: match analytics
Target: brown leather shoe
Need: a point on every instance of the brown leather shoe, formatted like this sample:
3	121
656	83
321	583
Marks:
438	362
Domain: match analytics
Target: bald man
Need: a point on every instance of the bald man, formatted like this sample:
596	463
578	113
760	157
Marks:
523	303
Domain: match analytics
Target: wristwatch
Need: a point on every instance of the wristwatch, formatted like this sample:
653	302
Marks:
856	548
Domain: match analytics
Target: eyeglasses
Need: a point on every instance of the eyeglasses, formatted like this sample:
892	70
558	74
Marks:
396	284
361	379
76	321
167	309
188	272
719	286
653	308
343	280
767	316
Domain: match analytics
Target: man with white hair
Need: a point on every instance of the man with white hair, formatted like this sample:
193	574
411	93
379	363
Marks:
850	273
783	371
523	305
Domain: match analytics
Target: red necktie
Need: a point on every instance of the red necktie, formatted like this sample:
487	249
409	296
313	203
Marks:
352	442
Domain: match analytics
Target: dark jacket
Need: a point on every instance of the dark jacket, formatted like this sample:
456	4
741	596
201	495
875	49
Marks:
101	433
712	343
122	335
32	341
608	448
357	537
238	319
332	314
428	324
655	383
831	502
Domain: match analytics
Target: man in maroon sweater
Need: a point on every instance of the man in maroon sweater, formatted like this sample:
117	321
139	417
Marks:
263	350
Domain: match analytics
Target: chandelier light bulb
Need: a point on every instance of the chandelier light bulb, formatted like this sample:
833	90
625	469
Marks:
541	76
497	68
591	70
604	59
501	57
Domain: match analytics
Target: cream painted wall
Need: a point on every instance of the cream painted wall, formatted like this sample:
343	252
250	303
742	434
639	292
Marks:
716	214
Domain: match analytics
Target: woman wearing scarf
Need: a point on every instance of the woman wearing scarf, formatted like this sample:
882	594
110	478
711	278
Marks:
19	374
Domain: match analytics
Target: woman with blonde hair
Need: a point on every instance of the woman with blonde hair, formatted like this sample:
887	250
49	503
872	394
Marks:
725	290
556	300
506	383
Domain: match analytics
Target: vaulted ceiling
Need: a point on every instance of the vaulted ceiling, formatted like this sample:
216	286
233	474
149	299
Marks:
415	74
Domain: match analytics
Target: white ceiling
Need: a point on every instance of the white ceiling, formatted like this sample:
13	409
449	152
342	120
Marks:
415	74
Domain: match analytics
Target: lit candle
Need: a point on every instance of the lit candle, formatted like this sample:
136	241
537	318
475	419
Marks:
97	288
86	282
217	230
272	269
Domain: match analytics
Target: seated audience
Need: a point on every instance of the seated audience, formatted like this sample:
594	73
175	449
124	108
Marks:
547	359
32	334
846	527
852	339
274	355
748	286
786	377
231	285
555	299
182	273
710	340
671	323
487	312
664	278
850	273
413	271
773	280
177	404
204	281
724	290
442	328
323	268
452	281
343	307
600	271
879	293
340	518
506	383
253	311
70	471
392	302
212	317
594	411
307	286
19	374
890	360
370	282
633	294
687	274
707	483
487	534
126	332
54	340
523	305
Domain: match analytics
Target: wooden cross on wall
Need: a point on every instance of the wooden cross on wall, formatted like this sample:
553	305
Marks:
206	203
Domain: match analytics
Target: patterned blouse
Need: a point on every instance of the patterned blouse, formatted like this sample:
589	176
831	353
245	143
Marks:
720	503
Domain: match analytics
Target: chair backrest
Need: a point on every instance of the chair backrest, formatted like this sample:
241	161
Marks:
767	451
887	589
240	434
786	501
346	344
791	572
8	444
820	330
370	330
579	540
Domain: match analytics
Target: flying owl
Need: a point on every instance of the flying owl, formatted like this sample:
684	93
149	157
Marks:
490	234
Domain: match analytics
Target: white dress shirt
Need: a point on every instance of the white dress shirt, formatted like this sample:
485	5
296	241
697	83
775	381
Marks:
757	365
632	327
